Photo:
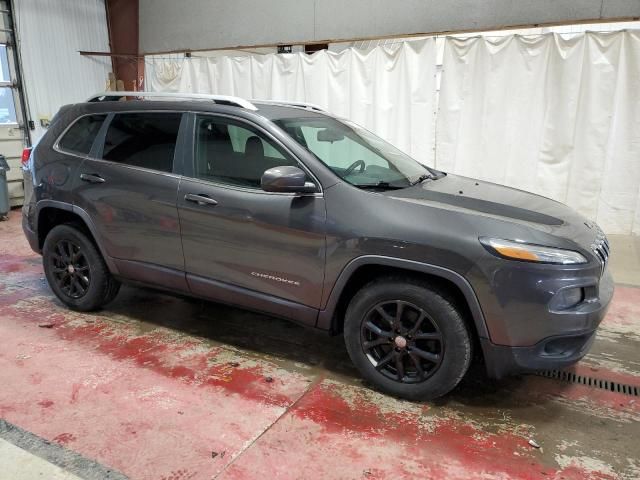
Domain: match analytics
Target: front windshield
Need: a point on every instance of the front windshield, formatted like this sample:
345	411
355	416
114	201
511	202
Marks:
355	154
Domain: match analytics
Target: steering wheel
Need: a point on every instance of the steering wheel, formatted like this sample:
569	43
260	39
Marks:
353	166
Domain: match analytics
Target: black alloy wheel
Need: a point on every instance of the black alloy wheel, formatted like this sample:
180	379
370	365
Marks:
408	336
402	341
70	268
76	270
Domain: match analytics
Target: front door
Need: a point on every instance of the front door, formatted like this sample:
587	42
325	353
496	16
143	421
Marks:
128	188
241	244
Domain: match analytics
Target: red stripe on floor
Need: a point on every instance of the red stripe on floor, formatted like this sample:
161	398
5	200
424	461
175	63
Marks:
148	409
335	431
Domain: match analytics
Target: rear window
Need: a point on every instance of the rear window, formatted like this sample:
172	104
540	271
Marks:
146	140
79	138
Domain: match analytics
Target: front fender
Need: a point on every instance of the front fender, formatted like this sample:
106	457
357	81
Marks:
325	316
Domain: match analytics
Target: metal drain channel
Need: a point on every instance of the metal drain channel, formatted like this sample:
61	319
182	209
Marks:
570	377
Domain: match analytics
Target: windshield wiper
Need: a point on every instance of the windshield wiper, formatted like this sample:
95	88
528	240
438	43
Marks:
381	185
422	178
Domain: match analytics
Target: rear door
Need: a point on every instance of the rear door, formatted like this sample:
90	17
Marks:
242	244
128	187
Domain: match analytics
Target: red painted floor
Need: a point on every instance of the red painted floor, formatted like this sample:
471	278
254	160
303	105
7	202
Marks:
159	387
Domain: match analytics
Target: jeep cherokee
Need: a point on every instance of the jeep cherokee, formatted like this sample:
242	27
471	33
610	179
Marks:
285	209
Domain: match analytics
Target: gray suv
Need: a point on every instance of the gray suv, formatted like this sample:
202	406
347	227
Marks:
287	210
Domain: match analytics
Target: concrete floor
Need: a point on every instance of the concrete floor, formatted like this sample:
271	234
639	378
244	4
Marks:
18	464
158	387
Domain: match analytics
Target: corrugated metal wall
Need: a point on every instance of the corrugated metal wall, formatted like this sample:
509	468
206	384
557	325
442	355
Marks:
50	34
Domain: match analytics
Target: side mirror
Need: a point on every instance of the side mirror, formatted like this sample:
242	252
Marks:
286	179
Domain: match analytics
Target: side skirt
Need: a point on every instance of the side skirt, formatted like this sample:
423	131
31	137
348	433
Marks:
251	300
177	282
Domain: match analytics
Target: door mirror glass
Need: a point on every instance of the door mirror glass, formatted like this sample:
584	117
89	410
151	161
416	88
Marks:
286	179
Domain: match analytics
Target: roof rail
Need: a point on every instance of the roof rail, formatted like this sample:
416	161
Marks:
308	106
221	99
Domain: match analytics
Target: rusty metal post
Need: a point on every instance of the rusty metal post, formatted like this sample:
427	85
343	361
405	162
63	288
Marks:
122	19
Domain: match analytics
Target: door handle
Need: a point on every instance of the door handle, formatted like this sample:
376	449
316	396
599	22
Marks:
200	199
91	178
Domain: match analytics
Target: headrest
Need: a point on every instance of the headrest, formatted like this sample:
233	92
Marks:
254	148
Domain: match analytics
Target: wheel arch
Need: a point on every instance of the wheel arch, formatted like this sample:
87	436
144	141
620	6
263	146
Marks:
50	213
363	269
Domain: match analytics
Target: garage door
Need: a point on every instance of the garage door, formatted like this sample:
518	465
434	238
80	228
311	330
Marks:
11	145
12	131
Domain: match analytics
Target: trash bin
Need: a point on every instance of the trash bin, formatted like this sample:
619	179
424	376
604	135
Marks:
4	187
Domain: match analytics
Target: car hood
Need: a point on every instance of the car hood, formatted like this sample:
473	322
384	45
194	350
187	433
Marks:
504	204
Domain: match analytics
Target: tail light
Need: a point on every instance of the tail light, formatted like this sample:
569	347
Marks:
26	153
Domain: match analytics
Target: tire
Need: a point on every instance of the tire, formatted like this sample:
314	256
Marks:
85	286
441	345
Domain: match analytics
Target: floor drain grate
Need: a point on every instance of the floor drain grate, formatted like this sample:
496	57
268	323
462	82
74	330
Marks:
570	377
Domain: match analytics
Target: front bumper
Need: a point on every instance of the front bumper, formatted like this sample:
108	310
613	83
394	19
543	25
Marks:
564	344
501	361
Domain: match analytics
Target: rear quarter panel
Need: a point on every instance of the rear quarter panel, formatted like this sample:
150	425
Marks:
53	173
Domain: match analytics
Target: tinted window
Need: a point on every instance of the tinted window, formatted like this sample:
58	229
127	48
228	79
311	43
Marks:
79	138
145	140
236	154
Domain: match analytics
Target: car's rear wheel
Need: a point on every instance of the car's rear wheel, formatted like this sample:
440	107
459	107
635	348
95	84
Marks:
408	338
76	271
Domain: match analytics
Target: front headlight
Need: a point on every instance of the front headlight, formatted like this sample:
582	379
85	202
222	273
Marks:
531	253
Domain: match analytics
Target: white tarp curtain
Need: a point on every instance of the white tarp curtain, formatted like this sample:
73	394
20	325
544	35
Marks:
559	117
554	116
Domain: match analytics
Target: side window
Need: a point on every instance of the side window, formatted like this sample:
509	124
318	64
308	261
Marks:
79	138
146	140
228	152
239	137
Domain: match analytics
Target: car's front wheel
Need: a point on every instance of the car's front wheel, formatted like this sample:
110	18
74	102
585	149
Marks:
76	271
407	337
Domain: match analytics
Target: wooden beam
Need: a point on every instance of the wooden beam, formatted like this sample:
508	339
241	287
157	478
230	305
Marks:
108	54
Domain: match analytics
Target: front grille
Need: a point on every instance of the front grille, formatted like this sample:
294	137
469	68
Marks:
600	247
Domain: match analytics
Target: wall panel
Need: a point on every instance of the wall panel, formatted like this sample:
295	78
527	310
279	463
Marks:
50	34
170	25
